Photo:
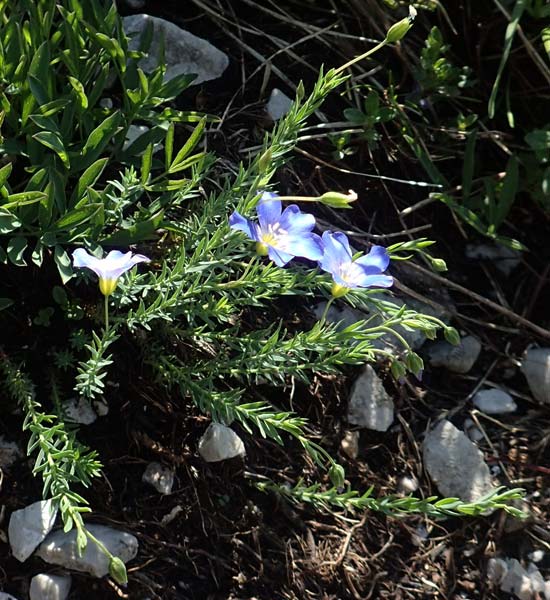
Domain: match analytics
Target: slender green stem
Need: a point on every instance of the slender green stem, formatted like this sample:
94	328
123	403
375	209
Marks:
106	315
325	312
361	57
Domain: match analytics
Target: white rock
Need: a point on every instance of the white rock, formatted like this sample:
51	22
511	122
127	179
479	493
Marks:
29	526
79	410
473	431
350	444
505	259
160	477
101	407
496	570
370	405
9	453
517	581
536	556
220	443
60	548
536	368
132	134
185	53
458	359
494	402
50	587
408	485
278	104
455	464
537	580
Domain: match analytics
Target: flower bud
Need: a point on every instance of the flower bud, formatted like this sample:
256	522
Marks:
117	570
438	264
398	30
398	370
265	161
414	363
337	199
452	336
337	475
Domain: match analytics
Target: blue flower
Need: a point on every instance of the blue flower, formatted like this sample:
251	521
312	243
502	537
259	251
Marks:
281	235
366	271
108	269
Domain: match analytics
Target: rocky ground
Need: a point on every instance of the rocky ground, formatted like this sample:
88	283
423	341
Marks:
478	417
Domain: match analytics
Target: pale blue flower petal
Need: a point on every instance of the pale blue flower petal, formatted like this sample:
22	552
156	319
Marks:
109	268
294	221
306	246
269	209
279	257
240	223
384	281
377	260
82	258
336	251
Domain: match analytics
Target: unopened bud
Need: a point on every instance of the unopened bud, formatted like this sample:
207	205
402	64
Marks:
452	336
438	264
337	475
398	30
117	570
414	363
338	199
265	161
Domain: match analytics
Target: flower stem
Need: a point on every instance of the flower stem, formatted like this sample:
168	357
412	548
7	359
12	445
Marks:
325	312
361	57
106	314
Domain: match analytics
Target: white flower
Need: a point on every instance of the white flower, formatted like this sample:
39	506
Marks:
108	269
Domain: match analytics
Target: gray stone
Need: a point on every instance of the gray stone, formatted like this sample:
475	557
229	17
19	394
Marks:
132	134
9	453
473	431
4	596
517	581
29	526
370	405
278	104
350	444
458	359
536	368
494	402
220	443
60	548
160	477
185	53
79	410
505	259
50	587
455	464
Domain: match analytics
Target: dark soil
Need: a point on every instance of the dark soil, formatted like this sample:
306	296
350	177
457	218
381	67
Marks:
224	538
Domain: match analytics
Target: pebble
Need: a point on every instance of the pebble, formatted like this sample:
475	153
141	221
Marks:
60	548
160	477
50	587
505	259
408	485
536	368
473	431
458	359
350	444
79	410
9	453
455	464
278	104
185	53
30	526
370	406
517	581
494	402
220	443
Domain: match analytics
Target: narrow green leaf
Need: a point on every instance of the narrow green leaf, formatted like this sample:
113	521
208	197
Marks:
16	249
188	146
169	145
80	93
5	173
52	141
146	163
88	178
97	141
8	221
